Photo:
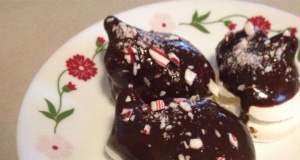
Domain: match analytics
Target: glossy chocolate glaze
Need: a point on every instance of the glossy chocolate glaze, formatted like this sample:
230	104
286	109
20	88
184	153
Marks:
171	129
259	70
129	63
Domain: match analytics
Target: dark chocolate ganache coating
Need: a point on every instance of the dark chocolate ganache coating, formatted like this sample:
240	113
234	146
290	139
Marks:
155	64
177	128
259	70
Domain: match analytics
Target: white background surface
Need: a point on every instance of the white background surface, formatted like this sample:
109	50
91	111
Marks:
31	31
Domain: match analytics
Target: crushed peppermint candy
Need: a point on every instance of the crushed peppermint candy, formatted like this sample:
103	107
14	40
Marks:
146	129
157	105
159	56
178	100
126	113
233	140
220	158
174	58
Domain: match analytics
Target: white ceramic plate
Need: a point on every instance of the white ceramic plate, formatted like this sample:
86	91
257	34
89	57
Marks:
86	114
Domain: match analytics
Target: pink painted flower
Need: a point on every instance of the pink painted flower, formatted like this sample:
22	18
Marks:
162	23
54	146
260	22
293	31
81	67
232	26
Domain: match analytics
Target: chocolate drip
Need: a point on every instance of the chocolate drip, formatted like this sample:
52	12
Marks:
259	70
181	128
129	63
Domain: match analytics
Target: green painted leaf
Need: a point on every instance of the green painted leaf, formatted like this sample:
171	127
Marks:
200	27
47	114
203	17
299	54
227	23
64	115
51	108
195	16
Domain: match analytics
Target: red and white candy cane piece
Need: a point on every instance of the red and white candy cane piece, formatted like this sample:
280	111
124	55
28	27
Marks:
178	100
233	140
129	56
174	58
157	105
126	113
146	129
159	56
221	158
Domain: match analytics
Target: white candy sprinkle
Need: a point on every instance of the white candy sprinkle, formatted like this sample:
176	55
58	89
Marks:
110	19
169	127
241	87
191	67
187	157
173	105
249	29
287	33
172	37
205	65
189	76
278	53
196	143
203	131
132	117
162	93
191	115
185	106
181	157
146	80
188	133
217	133
267	42
130	86
185	145
233	140
149	145
136	66
268	69
128	99
163	123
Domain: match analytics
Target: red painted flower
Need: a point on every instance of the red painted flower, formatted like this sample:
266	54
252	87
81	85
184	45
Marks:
293	31
71	86
100	41
81	67
260	22
232	26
